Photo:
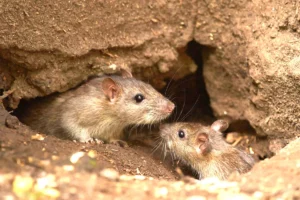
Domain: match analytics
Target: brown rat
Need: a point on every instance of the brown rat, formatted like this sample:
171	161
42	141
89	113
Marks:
98	109
205	150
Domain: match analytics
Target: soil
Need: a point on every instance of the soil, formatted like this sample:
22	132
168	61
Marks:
38	166
25	150
19	142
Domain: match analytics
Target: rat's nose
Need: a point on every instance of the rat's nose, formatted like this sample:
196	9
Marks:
170	107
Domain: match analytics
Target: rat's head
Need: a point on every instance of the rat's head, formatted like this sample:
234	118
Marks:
136	102
190	141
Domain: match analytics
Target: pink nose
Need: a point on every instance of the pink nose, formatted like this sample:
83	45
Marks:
170	107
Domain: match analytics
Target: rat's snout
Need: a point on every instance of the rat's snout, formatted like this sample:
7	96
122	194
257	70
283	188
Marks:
163	133
169	107
161	126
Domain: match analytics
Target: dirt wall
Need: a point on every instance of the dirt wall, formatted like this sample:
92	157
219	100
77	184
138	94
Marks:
252	71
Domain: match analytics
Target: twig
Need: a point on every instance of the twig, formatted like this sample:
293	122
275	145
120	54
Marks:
237	141
6	94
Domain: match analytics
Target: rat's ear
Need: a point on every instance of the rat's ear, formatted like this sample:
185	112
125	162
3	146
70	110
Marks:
126	73
220	125
203	145
110	89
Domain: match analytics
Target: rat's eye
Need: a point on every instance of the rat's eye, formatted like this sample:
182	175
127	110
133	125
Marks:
181	133
139	98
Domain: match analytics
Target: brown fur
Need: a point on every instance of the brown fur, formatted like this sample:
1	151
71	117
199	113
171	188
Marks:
219	158
97	111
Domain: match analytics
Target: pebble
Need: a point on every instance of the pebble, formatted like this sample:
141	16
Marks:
110	174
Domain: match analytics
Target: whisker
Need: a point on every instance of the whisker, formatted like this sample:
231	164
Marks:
172	157
179	83
182	106
156	147
171	80
165	151
186	115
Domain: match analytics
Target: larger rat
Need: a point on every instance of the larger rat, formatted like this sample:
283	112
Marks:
204	149
98	109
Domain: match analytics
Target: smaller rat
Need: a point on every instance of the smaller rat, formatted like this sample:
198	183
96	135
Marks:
204	149
98	110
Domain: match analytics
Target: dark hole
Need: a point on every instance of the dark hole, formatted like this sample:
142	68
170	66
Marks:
241	126
190	95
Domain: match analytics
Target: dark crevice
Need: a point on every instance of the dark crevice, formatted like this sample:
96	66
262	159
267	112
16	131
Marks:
189	93
241	126
195	51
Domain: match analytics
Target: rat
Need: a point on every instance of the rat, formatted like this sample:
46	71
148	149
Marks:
99	109
204	149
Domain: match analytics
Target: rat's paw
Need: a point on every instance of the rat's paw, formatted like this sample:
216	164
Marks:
95	141
98	141
91	140
120	143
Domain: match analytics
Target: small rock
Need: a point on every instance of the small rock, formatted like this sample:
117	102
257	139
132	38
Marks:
126	178
92	154
154	20
113	66
258	195
12	122
68	168
37	137
22	185
163	67
138	171
110	174
251	151
139	177
161	192
76	156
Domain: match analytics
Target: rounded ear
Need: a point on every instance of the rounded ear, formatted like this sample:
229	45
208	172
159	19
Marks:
126	73
219	125
111	89
203	145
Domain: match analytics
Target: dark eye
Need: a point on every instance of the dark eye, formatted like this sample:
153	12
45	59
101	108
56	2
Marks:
181	133
139	98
